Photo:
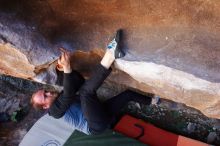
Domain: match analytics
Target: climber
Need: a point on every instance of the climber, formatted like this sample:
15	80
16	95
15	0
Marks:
78	103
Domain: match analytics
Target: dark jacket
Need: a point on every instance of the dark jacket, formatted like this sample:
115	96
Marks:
71	84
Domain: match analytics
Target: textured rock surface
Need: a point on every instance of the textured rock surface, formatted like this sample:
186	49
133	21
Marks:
14	99
173	46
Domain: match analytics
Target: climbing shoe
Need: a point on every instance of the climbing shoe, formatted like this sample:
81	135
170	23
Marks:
115	47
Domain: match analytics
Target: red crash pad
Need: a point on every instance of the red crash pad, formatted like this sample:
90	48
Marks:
151	135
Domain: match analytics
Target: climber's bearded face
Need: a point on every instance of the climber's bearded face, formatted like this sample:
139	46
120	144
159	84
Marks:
43	99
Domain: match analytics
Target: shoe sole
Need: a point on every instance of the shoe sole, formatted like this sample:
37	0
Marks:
118	51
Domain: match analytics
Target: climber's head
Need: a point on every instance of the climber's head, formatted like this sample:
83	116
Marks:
43	99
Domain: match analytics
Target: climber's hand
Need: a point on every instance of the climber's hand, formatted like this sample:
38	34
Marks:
64	61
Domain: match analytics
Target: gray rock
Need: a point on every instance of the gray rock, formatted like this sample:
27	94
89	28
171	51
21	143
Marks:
211	137
191	127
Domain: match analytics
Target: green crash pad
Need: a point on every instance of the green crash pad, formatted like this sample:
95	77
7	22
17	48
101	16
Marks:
109	138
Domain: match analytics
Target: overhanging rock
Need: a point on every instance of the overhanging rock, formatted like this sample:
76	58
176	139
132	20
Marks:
175	85
173	46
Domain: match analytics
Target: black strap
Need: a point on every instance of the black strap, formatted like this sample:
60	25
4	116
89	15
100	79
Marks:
142	131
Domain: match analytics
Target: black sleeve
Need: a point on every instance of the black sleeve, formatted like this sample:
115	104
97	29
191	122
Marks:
59	107
71	83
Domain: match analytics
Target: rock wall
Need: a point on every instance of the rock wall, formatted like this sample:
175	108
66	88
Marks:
173	46
16	114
